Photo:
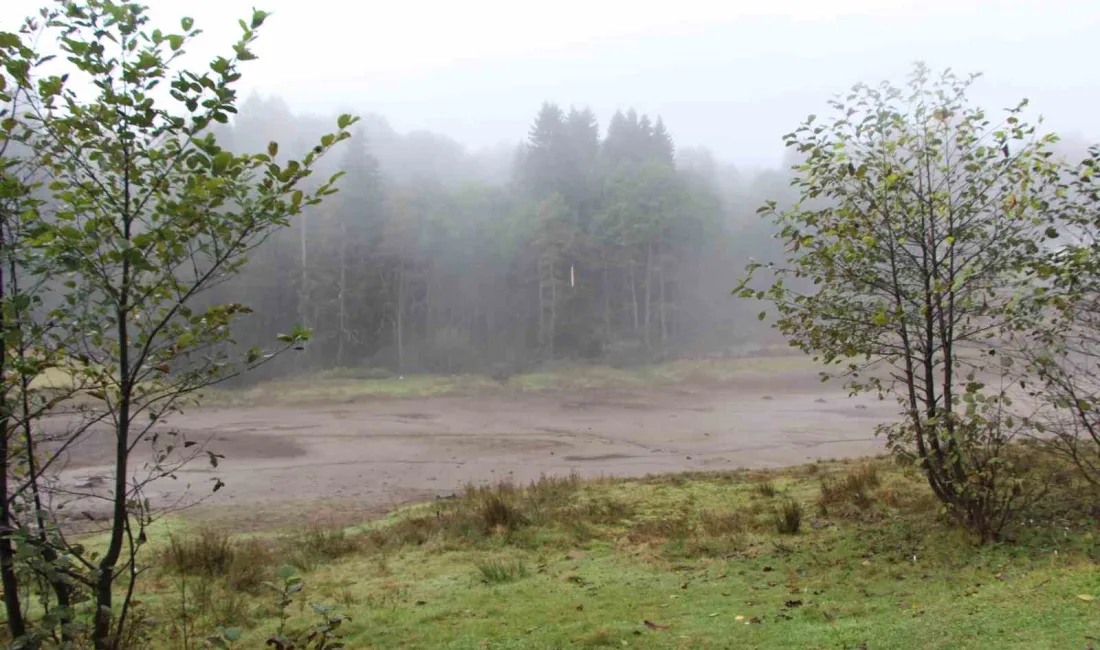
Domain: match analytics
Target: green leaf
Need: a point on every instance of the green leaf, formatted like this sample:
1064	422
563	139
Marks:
232	633
761	316
187	23
272	148
285	572
221	162
258	18
344	121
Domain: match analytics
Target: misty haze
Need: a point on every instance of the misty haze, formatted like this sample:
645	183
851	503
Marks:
501	325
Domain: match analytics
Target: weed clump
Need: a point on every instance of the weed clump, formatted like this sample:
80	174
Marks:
496	572
853	490
495	514
315	546
720	524
788	517
244	563
766	489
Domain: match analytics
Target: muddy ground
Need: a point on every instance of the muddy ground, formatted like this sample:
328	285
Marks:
334	463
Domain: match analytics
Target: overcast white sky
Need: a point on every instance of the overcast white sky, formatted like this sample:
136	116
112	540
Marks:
732	76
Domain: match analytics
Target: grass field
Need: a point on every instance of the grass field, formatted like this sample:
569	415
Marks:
346	384
680	561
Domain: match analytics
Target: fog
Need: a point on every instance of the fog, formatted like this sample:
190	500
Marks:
574	181
730	76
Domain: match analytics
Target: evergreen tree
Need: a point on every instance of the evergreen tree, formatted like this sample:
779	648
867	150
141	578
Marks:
545	163
664	149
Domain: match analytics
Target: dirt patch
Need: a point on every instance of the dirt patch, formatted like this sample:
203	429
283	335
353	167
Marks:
415	416
289	465
96	448
596	458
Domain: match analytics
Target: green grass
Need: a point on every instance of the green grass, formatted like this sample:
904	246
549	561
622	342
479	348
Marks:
348	384
569	563
497	572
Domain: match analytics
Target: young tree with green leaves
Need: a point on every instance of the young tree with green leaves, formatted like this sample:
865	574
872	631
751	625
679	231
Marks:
904	259
145	213
1063	349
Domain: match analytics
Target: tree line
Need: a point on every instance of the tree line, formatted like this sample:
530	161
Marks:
597	246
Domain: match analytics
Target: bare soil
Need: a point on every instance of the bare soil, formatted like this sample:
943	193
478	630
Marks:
288	465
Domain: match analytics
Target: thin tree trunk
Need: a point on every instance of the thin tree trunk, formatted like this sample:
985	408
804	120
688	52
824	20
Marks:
341	295
547	304
62	590
303	289
400	320
553	309
606	304
648	292
634	297
429	316
661	280
101	632
10	582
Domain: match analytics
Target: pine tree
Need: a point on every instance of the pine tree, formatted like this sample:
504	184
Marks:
544	162
664	149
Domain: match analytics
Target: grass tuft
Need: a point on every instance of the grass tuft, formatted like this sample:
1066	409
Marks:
497	572
497	514
245	564
766	489
788	517
315	546
851	495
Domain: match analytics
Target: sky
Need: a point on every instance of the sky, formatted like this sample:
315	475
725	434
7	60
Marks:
729	75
